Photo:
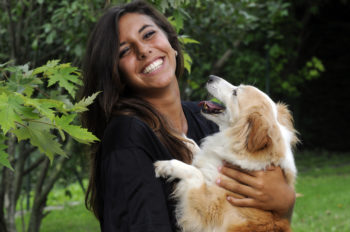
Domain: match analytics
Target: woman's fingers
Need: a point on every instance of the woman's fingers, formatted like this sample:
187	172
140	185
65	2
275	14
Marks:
241	183
237	174
235	188
244	202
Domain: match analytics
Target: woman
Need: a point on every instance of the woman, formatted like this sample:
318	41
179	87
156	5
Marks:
134	59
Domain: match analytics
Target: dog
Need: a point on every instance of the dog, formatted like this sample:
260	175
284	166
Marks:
254	133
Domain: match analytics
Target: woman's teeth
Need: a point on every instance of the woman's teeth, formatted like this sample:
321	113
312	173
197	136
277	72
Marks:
154	66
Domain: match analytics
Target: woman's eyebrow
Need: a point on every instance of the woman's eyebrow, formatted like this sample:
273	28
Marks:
141	29
144	27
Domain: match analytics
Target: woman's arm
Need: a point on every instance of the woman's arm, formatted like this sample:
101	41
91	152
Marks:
134	199
267	190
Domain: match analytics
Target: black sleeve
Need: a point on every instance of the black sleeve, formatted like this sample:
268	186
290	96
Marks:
133	198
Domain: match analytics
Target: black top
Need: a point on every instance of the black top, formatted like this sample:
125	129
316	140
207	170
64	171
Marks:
133	199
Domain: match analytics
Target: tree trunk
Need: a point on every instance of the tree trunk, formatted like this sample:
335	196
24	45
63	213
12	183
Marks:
43	187
9	188
2	199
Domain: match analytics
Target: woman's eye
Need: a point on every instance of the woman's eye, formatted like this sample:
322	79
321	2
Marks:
148	34
123	52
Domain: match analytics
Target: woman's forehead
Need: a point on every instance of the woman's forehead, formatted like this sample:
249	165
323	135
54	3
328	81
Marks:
134	21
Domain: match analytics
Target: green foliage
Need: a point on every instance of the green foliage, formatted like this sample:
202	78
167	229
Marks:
164	5
37	31
3	155
247	42
30	113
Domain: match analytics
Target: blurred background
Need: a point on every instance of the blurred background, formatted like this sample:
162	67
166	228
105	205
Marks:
296	51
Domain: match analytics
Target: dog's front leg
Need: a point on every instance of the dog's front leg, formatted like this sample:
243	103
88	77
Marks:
176	169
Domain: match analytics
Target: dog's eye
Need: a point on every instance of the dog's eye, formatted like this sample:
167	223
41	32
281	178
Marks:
235	92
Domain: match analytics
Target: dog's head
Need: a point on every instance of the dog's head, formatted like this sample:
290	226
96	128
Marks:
258	122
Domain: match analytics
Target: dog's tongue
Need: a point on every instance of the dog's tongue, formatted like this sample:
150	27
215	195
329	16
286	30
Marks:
211	107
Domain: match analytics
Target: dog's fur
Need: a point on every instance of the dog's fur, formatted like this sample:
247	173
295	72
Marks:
254	133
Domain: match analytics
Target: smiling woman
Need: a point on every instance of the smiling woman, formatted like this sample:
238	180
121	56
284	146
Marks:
134	59
147	59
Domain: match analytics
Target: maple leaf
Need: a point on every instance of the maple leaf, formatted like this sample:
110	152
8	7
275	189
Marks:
78	133
66	76
46	107
40	137
8	115
45	68
22	80
4	157
81	106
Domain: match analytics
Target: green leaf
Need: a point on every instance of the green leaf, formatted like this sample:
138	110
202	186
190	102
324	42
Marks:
8	114
80	134
187	40
81	106
178	21
187	62
49	65
22	79
44	106
42	139
66	76
4	157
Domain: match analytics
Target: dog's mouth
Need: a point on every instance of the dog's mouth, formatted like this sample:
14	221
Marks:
210	107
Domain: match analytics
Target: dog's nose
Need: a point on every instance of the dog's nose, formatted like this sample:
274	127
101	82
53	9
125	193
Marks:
212	78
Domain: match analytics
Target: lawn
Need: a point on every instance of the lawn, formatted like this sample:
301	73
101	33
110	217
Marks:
67	212
323	183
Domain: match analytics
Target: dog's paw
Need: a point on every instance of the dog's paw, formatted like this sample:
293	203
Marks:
163	168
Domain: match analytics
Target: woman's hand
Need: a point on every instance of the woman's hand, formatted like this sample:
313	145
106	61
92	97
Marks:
266	190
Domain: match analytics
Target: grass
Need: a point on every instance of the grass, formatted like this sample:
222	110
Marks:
72	218
323	181
69	213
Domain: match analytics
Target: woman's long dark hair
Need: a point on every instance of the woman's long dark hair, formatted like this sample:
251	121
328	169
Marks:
101	73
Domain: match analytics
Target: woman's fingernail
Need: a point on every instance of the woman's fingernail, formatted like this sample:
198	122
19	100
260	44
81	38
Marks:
229	198
218	181
219	168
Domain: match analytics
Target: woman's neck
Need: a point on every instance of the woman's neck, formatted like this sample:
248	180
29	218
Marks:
168	103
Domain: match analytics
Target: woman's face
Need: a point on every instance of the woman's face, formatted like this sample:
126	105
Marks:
147	60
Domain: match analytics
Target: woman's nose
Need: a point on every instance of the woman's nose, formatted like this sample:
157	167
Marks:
143	51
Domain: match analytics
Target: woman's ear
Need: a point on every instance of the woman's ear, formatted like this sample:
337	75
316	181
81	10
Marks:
258	138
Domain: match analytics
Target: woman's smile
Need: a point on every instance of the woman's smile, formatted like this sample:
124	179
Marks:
154	66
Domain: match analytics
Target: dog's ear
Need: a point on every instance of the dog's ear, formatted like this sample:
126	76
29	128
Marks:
284	117
258	138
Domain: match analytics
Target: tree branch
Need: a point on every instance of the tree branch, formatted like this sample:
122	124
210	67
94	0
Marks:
42	175
218	65
11	26
52	178
19	166
34	165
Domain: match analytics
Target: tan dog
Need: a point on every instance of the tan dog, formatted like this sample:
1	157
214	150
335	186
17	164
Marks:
254	133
